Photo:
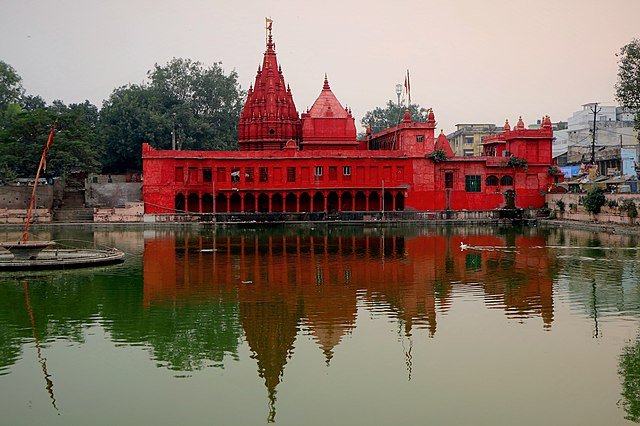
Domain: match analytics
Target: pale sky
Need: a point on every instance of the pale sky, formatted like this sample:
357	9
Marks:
472	61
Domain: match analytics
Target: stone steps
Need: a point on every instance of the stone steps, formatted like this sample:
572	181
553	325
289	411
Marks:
73	215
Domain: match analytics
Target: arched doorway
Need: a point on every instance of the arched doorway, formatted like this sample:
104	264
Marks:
305	202
332	201
361	201
346	202
235	203
510	199
179	203
207	203
193	203
374	201
221	203
263	203
399	201
388	201
249	203
290	203
318	202
276	203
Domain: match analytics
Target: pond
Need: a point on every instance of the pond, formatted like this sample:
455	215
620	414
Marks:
327	325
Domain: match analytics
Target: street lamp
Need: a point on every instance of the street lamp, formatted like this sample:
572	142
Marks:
398	92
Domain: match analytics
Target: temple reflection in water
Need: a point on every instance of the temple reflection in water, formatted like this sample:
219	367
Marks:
290	280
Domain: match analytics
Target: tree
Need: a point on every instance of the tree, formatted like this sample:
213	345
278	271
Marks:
383	118
628	85
594	200
201	103
76	146
10	86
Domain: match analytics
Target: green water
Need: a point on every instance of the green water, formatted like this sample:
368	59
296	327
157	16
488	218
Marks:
327	326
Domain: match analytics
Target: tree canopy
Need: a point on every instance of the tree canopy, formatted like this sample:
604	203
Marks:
201	103
392	114
628	85
10	86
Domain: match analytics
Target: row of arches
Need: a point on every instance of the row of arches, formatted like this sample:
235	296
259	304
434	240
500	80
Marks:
505	180
291	202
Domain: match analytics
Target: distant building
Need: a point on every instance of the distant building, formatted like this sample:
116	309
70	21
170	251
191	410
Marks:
466	141
615	136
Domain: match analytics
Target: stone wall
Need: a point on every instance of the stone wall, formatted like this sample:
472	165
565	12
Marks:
132	212
113	194
18	197
19	216
574	210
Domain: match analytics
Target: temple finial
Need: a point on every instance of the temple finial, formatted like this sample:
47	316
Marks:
326	82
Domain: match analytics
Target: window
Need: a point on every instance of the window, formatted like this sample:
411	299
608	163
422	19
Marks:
291	174
468	140
420	138
472	183
248	174
235	175
506	180
206	175
318	171
179	174
492	181
264	174
448	180
346	171
333	173
193	175
400	173
221	174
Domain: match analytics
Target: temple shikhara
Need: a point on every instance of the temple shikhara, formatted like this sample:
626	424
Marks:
313	162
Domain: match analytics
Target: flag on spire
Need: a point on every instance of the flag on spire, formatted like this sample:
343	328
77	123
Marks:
48	144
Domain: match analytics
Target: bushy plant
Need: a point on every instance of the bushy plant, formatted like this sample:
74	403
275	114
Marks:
438	155
518	162
612	204
560	205
594	200
629	206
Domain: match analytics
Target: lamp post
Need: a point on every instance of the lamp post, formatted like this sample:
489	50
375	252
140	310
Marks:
398	92
173	132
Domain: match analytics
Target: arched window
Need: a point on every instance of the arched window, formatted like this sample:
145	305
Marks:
492	180
506	180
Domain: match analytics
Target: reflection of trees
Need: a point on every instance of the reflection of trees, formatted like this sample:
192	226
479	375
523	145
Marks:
629	369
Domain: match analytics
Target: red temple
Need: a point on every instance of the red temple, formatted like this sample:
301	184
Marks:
314	163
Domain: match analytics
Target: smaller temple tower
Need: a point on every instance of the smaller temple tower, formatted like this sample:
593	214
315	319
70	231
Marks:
328	125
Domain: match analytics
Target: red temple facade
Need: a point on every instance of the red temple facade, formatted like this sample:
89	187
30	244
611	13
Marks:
313	162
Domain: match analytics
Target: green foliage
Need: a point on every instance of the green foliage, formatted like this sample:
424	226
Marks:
629	206
10	86
612	204
594	200
560	205
76	145
629	369
438	155
628	85
554	170
382	118
203	104
518	162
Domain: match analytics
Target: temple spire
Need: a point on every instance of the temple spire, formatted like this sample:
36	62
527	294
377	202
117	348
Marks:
326	83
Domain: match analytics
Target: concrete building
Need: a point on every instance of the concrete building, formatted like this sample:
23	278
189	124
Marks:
466	141
615	136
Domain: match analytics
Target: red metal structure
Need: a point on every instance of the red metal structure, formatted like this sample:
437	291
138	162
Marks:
313	163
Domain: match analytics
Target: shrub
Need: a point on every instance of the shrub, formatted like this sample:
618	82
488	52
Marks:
560	205
594	200
518	162
438	155
629	206
612	204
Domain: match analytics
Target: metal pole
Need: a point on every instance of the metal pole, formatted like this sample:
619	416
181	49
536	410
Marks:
595	111
382	197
